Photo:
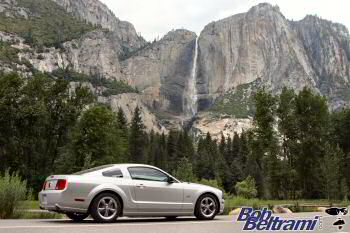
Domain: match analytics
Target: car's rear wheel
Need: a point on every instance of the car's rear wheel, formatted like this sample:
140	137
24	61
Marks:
206	207
105	208
77	217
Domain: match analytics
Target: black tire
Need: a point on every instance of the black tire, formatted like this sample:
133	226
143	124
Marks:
171	218
209	209
105	202
77	217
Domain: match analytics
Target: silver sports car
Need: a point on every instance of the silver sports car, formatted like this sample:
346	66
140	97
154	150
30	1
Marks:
110	191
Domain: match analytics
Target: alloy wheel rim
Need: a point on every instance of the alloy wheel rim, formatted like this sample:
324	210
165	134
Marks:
208	207
107	208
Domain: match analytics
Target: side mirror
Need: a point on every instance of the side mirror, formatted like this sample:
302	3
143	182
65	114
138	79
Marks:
170	180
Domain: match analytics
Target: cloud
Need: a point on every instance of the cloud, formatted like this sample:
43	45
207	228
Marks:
154	18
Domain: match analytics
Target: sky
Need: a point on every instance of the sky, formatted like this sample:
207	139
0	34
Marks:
154	18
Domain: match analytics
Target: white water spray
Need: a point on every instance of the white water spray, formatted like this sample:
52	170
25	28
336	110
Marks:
191	106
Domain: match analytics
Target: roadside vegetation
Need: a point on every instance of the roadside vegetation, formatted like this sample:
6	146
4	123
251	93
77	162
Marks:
13	189
300	205
296	150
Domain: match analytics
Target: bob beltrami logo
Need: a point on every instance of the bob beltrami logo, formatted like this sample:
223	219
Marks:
263	220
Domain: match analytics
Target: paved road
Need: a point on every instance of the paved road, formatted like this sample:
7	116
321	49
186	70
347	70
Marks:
222	224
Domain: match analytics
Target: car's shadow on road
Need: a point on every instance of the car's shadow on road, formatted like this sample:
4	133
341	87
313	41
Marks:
126	220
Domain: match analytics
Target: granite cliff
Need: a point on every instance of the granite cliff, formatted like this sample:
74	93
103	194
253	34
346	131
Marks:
183	78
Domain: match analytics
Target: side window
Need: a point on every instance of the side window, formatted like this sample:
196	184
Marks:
113	173
145	173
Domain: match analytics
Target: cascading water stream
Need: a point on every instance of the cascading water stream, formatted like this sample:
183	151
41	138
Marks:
191	103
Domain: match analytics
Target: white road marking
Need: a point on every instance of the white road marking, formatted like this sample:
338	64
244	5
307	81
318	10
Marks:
113	225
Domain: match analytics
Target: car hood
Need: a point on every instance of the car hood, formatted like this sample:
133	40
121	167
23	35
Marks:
202	186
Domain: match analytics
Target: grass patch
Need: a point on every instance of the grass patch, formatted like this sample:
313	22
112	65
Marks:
31	215
23	213
48	24
29	205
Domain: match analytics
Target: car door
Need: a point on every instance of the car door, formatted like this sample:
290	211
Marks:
153	192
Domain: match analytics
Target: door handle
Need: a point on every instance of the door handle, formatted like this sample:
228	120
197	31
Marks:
141	186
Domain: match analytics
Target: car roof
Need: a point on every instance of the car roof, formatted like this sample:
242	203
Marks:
132	165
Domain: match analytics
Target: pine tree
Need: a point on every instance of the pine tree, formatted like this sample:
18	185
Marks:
162	155
151	147
137	138
206	154
228	151
122	122
222	146
122	127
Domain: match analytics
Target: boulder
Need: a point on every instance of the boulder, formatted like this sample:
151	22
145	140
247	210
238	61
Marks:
281	210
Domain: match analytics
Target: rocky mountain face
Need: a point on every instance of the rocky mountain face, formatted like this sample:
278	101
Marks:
221	68
95	52
327	47
162	70
263	44
95	12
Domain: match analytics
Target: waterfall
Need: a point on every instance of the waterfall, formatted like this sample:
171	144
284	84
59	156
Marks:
191	100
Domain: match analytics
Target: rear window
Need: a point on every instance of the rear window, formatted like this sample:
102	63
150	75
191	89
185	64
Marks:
113	173
93	169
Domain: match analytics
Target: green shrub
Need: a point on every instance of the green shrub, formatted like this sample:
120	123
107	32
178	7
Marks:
184	171
12	191
247	188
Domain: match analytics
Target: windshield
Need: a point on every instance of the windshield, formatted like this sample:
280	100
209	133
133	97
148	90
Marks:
92	169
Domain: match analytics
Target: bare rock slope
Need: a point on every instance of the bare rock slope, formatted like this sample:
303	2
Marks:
263	44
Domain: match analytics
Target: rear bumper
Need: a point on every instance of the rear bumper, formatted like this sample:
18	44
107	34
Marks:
57	201
59	209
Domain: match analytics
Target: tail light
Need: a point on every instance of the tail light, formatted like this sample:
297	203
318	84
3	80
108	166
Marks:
44	186
61	184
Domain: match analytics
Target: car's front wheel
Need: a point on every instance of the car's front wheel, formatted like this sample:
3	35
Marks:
206	207
105	208
77	217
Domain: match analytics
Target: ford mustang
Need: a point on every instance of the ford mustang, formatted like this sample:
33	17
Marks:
110	191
